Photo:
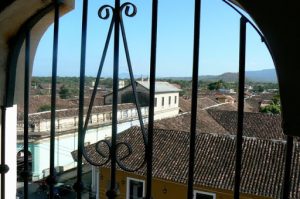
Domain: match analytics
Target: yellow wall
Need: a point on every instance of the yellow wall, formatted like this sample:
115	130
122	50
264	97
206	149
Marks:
162	189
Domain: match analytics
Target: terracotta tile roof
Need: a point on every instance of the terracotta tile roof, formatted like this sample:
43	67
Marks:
205	123
226	107
73	112
38	100
263	160
258	125
206	102
203	102
255	101
184	104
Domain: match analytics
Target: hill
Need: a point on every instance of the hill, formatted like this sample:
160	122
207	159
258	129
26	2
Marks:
266	75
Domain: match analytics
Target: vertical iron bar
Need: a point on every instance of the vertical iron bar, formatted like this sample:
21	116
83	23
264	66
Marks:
149	146
87	119
132	81
287	169
78	186
52	177
112	192
194	98
239	137
26	112
3	131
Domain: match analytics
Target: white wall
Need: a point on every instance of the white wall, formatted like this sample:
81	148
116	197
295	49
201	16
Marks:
166	105
71	123
11	152
65	144
167	109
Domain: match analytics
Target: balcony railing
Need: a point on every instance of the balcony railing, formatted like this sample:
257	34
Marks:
117	30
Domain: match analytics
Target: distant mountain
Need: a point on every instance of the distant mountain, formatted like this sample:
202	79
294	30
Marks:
266	75
227	77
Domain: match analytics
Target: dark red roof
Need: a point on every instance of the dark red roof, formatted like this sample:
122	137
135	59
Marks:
263	160
258	125
205	123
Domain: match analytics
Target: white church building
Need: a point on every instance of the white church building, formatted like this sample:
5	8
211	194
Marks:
166	100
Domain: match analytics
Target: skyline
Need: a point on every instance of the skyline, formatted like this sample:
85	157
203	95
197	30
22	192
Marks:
219	40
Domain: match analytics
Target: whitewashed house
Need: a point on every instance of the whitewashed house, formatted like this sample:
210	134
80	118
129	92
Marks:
67	136
166	97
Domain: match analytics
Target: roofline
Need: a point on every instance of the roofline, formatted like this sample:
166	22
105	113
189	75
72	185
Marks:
144	88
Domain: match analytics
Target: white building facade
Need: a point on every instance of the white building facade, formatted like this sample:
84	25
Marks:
166	97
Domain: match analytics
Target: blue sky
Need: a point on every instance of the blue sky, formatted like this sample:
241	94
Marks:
219	41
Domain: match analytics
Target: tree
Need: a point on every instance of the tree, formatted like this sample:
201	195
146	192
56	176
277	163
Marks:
272	108
259	88
45	107
276	99
217	85
64	92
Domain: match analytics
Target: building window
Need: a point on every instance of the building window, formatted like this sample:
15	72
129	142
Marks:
162	101
204	195
125	114
134	112
169	100
75	121
135	188
175	100
155	102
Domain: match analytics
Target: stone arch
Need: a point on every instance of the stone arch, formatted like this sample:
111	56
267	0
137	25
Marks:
36	16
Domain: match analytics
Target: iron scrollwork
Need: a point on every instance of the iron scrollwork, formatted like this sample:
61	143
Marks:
103	148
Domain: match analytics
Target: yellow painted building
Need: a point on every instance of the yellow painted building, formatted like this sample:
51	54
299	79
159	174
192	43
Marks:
162	189
261	175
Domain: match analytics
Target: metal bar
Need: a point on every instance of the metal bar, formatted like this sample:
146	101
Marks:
263	39
239	137
194	98
26	112
287	169
111	194
98	76
3	131
149	146
15	48
52	177
78	186
132	80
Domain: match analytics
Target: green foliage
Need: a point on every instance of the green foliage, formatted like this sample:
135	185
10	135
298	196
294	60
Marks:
217	85
65	93
258	88
261	87
71	83
45	107
276	99
272	108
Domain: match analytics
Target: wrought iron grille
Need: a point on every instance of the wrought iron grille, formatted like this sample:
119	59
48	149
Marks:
115	14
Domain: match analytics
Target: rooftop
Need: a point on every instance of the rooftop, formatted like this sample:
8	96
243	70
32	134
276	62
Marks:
205	123
258	125
263	160
160	86
73	112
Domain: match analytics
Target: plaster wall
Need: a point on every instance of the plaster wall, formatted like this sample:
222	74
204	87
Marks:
10	152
